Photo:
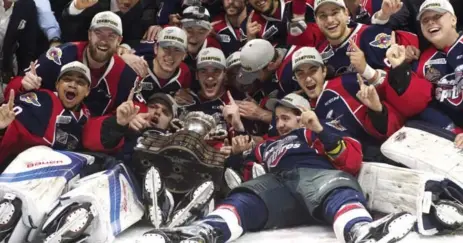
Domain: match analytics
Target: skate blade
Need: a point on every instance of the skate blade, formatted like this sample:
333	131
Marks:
232	179
200	196
75	224
152	187
449	214
398	228
257	170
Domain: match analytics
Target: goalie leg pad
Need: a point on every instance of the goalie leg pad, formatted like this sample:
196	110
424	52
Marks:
112	202
391	189
415	146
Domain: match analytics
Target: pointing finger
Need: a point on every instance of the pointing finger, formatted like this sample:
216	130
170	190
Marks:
11	100
360	81
250	16
230	98
393	38
353	45
32	66
131	94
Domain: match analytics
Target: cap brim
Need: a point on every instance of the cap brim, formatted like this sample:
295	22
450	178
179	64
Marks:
109	26
186	23
74	70
166	98
323	3
173	44
247	77
273	103
210	64
312	62
439	10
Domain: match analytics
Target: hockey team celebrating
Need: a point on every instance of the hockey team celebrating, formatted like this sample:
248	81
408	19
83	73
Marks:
267	114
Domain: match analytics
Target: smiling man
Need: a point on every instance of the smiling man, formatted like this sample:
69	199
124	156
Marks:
111	79
43	117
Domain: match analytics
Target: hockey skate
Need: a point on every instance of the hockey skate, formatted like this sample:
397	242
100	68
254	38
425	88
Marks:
389	229
29	187
196	233
197	203
449	214
70	224
96	209
159	201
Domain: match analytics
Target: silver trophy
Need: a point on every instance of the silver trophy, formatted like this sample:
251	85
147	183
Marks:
199	122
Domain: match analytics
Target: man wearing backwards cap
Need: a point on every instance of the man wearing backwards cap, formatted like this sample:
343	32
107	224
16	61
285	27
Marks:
351	47
43	117
438	24
111	79
321	159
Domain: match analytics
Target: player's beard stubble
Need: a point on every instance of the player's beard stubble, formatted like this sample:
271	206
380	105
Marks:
101	55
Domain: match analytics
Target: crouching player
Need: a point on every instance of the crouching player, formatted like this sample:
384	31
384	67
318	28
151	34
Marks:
311	179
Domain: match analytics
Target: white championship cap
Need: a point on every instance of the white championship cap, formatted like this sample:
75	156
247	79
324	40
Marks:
440	6
255	55
168	99
172	36
76	66
306	55
107	19
319	3
196	16
234	59
211	56
292	100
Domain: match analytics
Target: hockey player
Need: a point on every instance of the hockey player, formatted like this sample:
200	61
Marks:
308	153
111	79
170	11
42	117
441	63
167	72
333	20
227	25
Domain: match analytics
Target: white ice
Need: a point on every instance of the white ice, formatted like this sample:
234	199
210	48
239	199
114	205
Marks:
311	234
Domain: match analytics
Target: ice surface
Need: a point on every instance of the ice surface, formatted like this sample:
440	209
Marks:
311	234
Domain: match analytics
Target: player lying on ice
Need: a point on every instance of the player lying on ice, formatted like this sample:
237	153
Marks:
311	180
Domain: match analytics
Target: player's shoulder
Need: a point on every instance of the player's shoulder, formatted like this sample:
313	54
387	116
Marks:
37	99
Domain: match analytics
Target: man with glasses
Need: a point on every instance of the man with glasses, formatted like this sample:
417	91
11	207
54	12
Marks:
442	63
111	78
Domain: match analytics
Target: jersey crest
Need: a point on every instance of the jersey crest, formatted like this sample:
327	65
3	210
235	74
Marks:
30	98
54	54
382	41
278	149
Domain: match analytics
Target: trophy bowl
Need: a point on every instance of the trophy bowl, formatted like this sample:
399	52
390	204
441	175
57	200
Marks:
199	122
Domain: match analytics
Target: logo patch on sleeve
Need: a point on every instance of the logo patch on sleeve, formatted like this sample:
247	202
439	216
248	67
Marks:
30	98
382	40
54	54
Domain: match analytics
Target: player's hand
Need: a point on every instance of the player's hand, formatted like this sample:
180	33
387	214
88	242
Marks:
175	20
368	95
412	53
388	8
241	144
396	55
357	57
310	120
83	4
122	49
231	111
252	27
138	64
459	141
250	109
152	33
7	114
140	121
183	97
127	111
31	81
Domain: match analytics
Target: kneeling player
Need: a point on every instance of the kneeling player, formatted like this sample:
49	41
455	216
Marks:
311	180
46	118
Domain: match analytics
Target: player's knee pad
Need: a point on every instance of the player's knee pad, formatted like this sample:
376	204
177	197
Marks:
31	184
104	204
423	147
391	189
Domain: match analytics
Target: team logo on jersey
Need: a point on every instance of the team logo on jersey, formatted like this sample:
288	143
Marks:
225	38
450	90
382	41
432	74
336	124
54	54
278	149
30	98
